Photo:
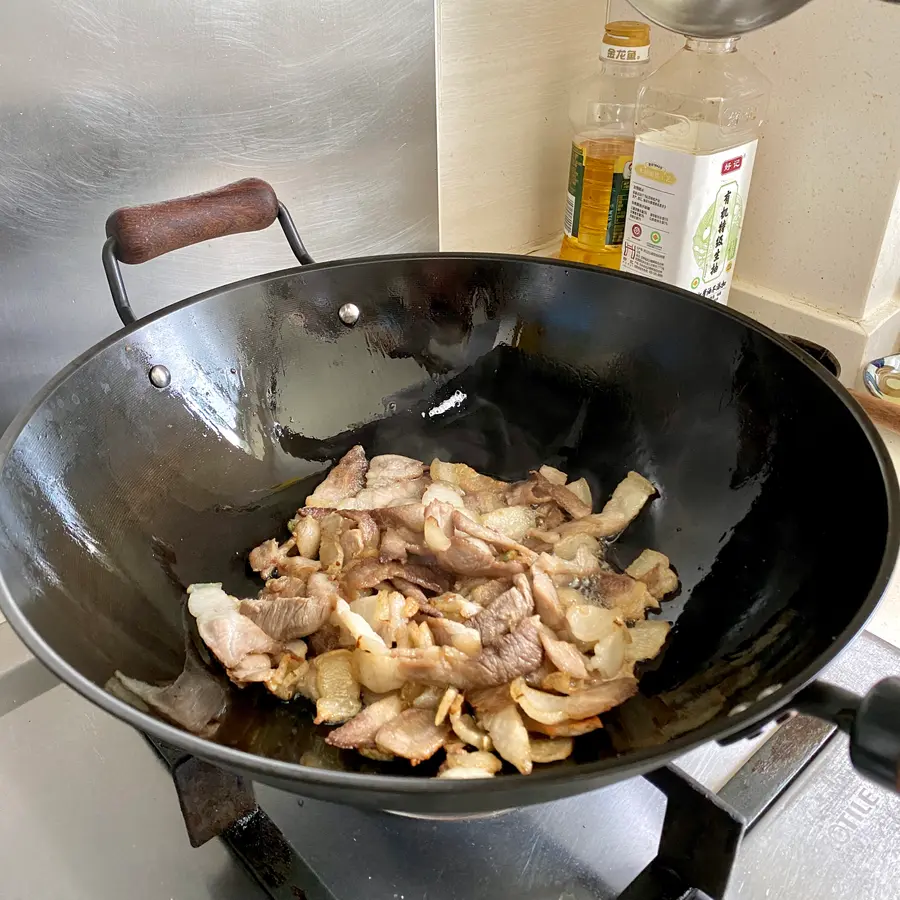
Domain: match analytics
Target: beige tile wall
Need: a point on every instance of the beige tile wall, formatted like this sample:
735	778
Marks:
503	133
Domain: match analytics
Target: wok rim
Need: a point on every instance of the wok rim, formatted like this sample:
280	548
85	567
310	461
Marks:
607	770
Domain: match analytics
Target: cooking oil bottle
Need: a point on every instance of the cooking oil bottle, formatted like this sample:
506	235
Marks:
602	113
697	122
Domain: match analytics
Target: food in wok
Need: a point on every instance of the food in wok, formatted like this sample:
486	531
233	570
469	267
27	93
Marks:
429	607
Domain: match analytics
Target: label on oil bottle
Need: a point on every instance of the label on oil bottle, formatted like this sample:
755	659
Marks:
684	216
576	191
618	200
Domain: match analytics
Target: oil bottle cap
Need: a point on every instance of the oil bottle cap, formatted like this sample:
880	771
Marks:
627	34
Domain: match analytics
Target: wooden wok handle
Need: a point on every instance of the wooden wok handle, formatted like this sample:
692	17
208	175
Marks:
142	233
881	412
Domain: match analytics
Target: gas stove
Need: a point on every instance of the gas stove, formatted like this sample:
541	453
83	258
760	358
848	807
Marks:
90	811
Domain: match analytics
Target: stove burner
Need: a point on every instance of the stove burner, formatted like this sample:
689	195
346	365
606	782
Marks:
587	847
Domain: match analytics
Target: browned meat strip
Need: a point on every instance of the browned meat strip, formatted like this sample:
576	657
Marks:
467	526
627	501
546	600
514	654
288	618
503	615
327	638
369	573
654	570
560	495
412	735
622	593
409	515
344	481
285	586
414	592
390	468
360	731
196	700
231	638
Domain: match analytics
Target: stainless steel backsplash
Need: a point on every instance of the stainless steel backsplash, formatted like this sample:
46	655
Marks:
106	103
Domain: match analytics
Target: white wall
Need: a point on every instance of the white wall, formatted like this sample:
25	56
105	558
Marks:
820	254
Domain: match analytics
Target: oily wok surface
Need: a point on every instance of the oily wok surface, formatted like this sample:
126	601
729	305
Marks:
115	495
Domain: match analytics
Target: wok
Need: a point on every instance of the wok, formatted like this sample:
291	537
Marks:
166	452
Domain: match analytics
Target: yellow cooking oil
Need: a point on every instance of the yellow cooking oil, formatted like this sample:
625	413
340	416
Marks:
602	113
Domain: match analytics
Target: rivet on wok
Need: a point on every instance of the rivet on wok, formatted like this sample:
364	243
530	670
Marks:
738	708
160	377
349	313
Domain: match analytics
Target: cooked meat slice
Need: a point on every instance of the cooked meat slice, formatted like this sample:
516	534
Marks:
555	476
412	735
565	656
482	502
454	606
233	637
564	729
390	468
647	639
293	678
306	536
503	615
267	556
582	564
369	573
514	654
440	666
379	672
485	593
509	736
549	517
448	698
551	750
490	699
328	637
256	667
582	490
345	480
465	727
284	586
514	522
568	547
628	597
407	515
338	690
445	493
367	526
331	552
397	493
196	700
360	731
553	709
352	544
546	600
654	570
289	618
626	502
448	633
467	526
561	495
471	556
415	593
228	634
465	477
273	559
477	760
361	632
393	546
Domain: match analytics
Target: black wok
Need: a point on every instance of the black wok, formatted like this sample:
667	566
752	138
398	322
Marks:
161	456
